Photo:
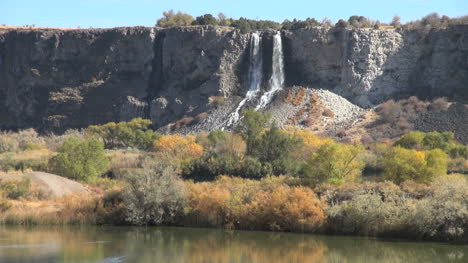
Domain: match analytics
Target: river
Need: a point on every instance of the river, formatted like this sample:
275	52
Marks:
175	244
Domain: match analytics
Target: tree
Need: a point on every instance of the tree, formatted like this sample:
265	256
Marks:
171	19
80	160
427	141
400	164
179	147
333	163
411	140
223	20
251	127
206	19
276	147
136	133
341	24
358	21
396	23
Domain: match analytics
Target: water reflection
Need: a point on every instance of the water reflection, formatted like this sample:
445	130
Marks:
113	244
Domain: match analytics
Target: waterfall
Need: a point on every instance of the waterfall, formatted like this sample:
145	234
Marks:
255	75
277	77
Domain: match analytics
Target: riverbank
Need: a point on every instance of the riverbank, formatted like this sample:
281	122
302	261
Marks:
257	177
411	211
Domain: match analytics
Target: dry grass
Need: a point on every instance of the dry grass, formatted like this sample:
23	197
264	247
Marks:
73	209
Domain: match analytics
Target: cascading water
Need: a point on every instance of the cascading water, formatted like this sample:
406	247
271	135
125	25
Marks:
255	75
277	76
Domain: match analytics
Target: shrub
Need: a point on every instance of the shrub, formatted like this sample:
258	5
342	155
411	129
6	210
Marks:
333	163
14	189
135	133
401	164
36	160
178	147
54	141
298	24
80	160
268	204
412	140
155	194
171	19
372	209
444	215
8	144
286	208
121	161
247	25
439	104
458	151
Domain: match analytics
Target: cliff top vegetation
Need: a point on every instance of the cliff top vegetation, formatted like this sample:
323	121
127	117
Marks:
428	22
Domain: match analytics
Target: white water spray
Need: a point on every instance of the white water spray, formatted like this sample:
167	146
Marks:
277	77
255	75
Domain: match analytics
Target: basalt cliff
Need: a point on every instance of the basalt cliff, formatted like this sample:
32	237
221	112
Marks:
53	79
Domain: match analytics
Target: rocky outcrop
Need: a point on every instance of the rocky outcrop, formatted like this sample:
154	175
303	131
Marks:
58	79
191	65
369	66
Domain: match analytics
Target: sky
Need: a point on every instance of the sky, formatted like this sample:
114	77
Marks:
112	13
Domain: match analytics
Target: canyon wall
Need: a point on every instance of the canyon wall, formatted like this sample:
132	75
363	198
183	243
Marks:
54	79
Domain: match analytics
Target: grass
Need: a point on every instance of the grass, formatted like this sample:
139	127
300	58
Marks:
69	210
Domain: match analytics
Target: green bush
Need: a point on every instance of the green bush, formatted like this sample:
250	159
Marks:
247	25
171	19
135	133
298	24
400	164
206	19
155	194
80	160
276	147
333	163
427	141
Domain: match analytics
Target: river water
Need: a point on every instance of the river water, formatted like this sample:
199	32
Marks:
174	244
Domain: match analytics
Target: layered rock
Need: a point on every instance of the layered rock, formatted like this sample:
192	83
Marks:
58	79
368	66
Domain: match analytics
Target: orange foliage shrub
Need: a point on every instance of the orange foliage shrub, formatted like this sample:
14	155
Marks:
180	147
268	204
286	208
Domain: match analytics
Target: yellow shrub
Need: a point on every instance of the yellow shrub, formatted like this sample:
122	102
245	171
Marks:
286	208
268	204
180	147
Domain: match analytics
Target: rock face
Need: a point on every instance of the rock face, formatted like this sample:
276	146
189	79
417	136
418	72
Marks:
369	66
59	79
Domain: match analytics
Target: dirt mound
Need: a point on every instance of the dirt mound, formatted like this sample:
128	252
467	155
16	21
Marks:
58	186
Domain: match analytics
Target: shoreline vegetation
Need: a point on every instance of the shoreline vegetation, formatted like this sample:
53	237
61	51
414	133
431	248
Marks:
256	177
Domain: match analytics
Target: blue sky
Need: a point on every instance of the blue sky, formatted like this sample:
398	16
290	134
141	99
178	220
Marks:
110	13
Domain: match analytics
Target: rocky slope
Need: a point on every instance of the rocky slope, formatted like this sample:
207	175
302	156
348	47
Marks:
58	79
